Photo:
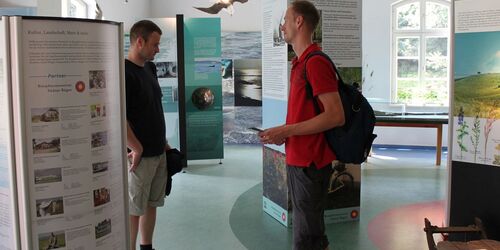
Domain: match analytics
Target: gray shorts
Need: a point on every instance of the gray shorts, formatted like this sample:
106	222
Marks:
146	185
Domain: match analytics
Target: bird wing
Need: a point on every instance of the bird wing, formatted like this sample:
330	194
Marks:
214	9
241	1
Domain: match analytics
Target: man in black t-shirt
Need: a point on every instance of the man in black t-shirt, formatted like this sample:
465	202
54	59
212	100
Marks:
145	133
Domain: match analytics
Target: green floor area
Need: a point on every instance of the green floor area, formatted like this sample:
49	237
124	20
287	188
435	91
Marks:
219	206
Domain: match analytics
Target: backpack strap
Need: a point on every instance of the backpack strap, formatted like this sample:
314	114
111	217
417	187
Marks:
321	53
356	99
309	89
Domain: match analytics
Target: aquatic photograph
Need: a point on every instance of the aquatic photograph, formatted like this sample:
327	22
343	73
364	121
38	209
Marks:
248	82
241	45
206	67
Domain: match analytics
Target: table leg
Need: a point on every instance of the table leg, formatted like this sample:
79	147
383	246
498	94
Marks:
439	144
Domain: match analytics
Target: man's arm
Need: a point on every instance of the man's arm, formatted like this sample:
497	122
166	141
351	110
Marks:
332	116
136	148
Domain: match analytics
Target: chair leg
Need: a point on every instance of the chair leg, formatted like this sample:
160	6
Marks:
479	224
429	232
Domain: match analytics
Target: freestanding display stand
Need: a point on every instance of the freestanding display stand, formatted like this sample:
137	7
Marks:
9	235
339	35
474	185
66	115
202	88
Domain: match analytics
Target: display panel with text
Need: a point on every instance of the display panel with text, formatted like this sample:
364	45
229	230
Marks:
70	95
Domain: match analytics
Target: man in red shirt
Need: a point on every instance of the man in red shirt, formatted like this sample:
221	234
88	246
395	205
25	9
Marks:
308	156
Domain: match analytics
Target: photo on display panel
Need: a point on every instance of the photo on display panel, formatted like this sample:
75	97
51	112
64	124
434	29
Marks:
46	145
241	45
101	196
477	85
49	207
344	186
204	68
44	176
166	69
99	139
103	228
275	178
97	79
227	83
44	115
248	82
227	68
99	167
279	10
52	240
237	120
97	110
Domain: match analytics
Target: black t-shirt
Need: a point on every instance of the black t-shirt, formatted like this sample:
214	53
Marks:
144	108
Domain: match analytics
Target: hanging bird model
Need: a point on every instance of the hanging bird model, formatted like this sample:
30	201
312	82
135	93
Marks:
226	5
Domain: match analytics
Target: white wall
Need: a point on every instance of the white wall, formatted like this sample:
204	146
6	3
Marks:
376	72
409	136
18	3
247	16
49	8
376	48
128	13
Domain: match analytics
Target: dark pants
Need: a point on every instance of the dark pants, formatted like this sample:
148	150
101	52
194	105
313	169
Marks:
308	190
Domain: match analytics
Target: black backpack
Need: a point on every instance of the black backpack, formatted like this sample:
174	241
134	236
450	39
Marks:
352	142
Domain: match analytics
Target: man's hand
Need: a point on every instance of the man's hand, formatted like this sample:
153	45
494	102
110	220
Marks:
275	135
135	146
134	158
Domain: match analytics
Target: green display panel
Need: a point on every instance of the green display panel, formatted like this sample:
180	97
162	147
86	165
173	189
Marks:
203	88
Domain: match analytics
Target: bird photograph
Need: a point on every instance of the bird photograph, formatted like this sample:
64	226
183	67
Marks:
226	5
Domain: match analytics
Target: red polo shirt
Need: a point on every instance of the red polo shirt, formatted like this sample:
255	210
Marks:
306	149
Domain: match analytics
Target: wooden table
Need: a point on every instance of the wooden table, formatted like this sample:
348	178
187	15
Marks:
419	121
471	245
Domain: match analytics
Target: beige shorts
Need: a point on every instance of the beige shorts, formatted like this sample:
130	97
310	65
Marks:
146	185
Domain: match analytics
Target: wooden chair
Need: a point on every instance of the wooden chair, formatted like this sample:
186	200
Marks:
475	230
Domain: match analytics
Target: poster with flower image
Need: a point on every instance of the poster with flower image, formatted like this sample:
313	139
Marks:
477	97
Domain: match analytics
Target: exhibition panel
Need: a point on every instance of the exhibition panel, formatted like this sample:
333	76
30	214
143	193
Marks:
339	35
69	115
9	238
203	88
475	140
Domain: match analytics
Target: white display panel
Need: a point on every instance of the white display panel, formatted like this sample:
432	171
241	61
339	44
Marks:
476	130
474	16
274	52
341	30
166	65
8	237
70	94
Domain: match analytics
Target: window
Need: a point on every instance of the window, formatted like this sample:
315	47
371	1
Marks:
420	52
77	8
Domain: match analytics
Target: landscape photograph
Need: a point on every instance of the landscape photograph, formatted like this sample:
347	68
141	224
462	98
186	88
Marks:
477	79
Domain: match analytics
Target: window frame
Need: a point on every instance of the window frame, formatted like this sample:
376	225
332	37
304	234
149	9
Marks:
88	5
422	33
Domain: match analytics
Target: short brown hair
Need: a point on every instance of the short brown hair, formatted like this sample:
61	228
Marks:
144	29
308	11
